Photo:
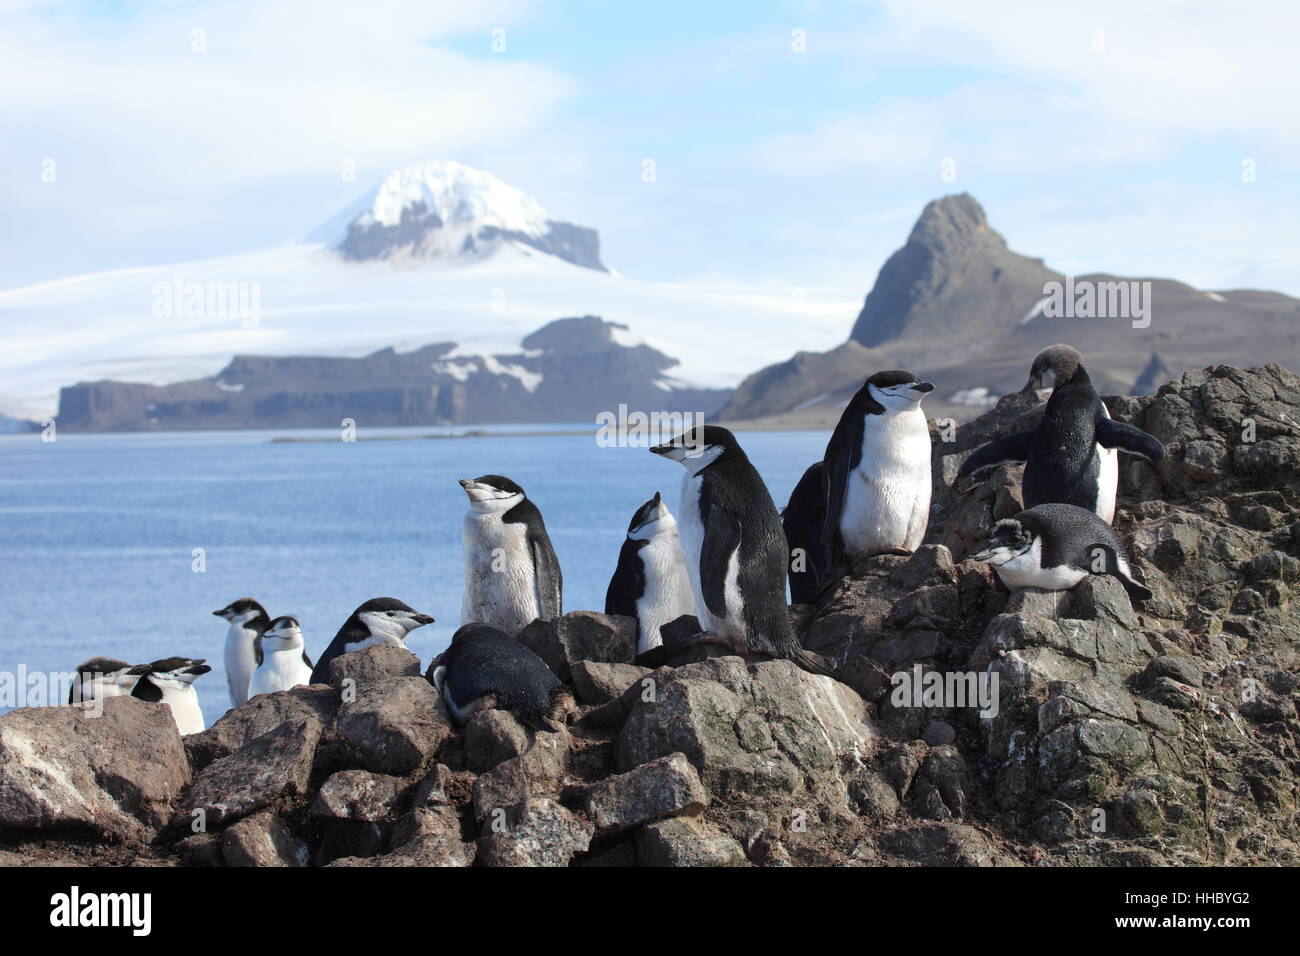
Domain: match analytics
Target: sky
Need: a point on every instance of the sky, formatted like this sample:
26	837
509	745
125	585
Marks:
791	144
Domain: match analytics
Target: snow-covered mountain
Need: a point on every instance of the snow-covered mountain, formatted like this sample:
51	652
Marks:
182	321
445	209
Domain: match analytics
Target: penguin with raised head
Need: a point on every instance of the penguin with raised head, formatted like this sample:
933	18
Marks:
284	662
734	547
382	620
1054	547
485	669
248	620
170	681
1071	456
650	583
874	482
99	678
512	576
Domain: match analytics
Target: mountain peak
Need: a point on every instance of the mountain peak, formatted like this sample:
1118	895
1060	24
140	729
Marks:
953	219
444	209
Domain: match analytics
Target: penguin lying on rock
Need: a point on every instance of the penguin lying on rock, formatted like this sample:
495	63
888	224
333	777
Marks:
485	669
102	677
1071	457
170	681
1054	547
734	547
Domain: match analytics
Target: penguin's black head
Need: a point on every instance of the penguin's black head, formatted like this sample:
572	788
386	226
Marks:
897	390
1010	539
492	493
243	611
102	665
283	632
173	670
389	617
1055	365
697	448
650	518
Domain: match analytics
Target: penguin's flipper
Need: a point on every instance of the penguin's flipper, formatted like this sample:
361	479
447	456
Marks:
550	584
721	539
307	660
1113	434
628	582
1008	448
257	649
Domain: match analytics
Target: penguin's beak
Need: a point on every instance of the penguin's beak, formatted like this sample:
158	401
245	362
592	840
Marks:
221	613
983	555
664	450
922	387
419	620
199	670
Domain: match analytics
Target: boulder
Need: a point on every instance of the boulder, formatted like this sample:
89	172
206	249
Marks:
357	795
581	636
394	725
536	832
665	787
316	703
534	773
686	841
351	672
262	840
599	683
268	769
493	736
118	773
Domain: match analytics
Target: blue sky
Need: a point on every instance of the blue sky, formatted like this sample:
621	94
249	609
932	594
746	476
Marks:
1101	136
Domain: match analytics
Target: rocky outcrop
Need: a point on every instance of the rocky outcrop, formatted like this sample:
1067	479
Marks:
1064	729
569	370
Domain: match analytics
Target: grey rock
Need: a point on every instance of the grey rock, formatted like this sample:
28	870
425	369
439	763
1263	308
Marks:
537	832
493	736
394	725
599	683
686	841
351	672
267	769
665	787
581	636
262	840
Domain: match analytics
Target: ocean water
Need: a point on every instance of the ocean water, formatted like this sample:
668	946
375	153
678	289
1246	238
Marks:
98	532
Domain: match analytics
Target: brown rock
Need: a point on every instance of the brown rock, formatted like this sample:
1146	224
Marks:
393	726
266	769
686	841
370	666
262	840
259	716
537	832
357	795
665	787
598	683
492	736
581	636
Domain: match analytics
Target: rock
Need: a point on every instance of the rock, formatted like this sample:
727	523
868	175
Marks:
370	666
357	795
939	733
599	683
118	773
492	736
537	832
873	796
430	837
394	725
260	715
760	729
534	773
1178	668
581	636
665	787
199	849
267	769
262	840
942	844
686	841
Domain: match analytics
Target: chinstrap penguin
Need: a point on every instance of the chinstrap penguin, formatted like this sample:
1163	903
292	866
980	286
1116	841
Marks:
512	576
248	620
382	620
650	583
284	662
874	482
170	681
1054	547
101	677
485	669
734	547
1071	456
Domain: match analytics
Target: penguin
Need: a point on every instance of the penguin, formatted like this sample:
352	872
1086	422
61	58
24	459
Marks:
1054	547
248	620
734	547
512	576
1071	456
284	662
99	678
170	681
382	620
650	583
874	485
485	668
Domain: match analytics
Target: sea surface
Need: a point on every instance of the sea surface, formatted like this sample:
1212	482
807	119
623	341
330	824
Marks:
98	533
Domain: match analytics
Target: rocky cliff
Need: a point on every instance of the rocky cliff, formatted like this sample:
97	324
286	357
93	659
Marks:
957	306
1163	734
567	371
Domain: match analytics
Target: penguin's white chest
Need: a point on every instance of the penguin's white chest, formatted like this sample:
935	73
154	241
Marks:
1107	479
279	670
732	623
500	582
184	705
887	498
1026	570
241	661
668	593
